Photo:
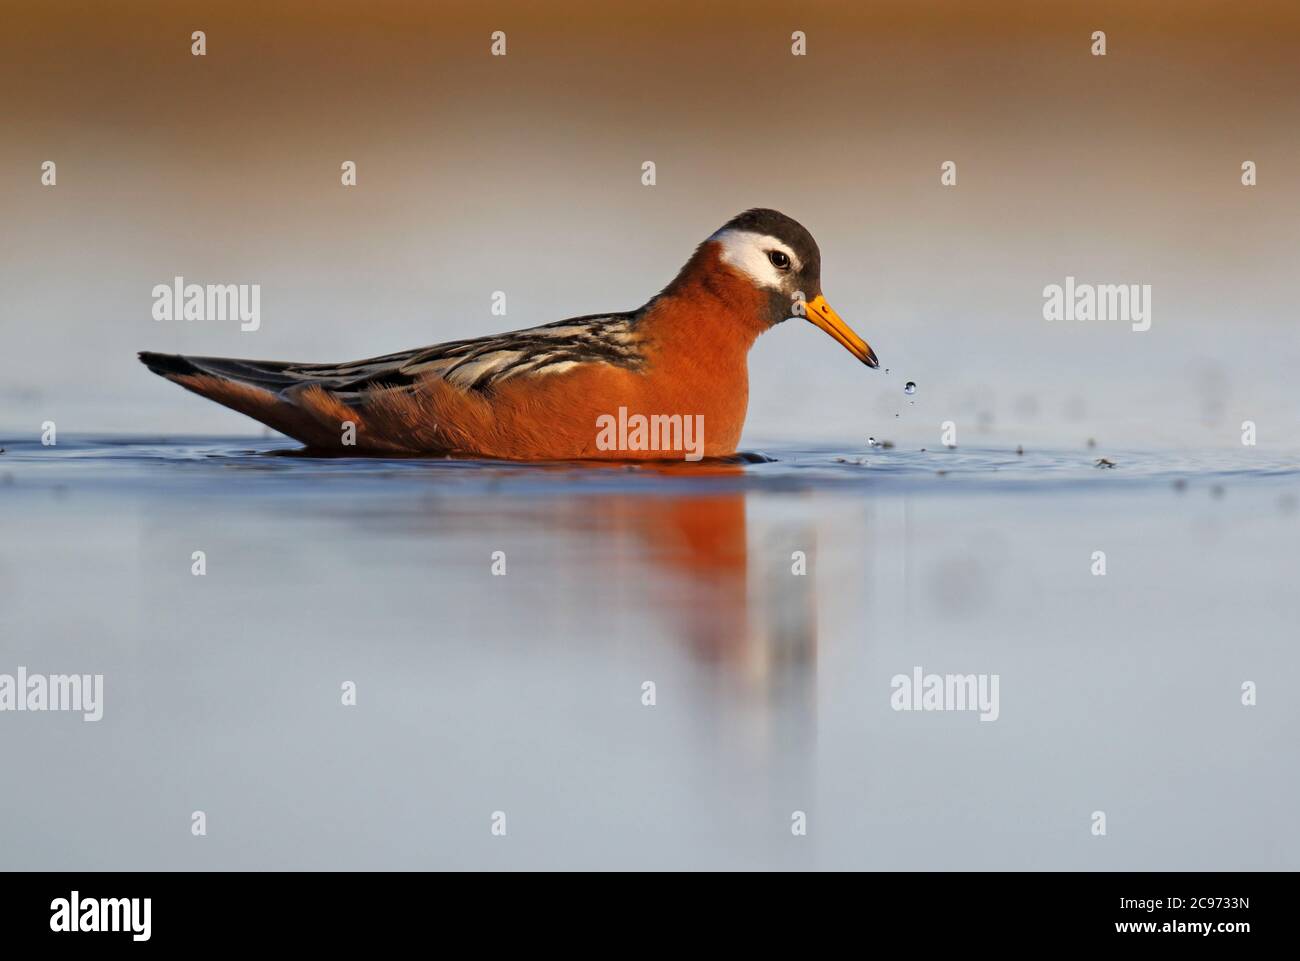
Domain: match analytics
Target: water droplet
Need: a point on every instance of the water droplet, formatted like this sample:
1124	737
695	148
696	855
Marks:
910	387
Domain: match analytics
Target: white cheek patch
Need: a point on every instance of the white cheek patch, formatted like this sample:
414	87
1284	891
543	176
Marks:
747	252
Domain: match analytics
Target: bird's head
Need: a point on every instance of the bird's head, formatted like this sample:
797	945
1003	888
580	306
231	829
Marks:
778	256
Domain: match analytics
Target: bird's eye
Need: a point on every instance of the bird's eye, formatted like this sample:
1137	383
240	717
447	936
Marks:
779	260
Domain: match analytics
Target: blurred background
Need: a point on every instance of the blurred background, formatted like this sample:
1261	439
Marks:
523	174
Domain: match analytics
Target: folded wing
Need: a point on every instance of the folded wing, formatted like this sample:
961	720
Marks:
471	365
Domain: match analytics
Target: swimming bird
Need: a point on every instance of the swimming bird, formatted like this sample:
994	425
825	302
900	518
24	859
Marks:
545	392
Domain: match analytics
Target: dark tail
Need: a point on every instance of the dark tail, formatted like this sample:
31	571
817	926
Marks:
269	375
167	364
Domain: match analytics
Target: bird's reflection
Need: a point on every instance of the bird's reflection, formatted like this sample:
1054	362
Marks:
686	575
730	585
736	587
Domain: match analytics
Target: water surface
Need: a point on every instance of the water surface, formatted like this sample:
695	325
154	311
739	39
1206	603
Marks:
522	693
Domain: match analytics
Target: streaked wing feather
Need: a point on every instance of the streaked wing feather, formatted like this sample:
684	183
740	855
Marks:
478	364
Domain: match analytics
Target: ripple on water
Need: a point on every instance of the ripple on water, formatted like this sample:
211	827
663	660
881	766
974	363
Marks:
211	464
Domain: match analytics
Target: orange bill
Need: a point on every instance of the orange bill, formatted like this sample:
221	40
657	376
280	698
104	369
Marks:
820	313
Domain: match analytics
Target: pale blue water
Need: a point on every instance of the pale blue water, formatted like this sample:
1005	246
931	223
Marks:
522	693
129	460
